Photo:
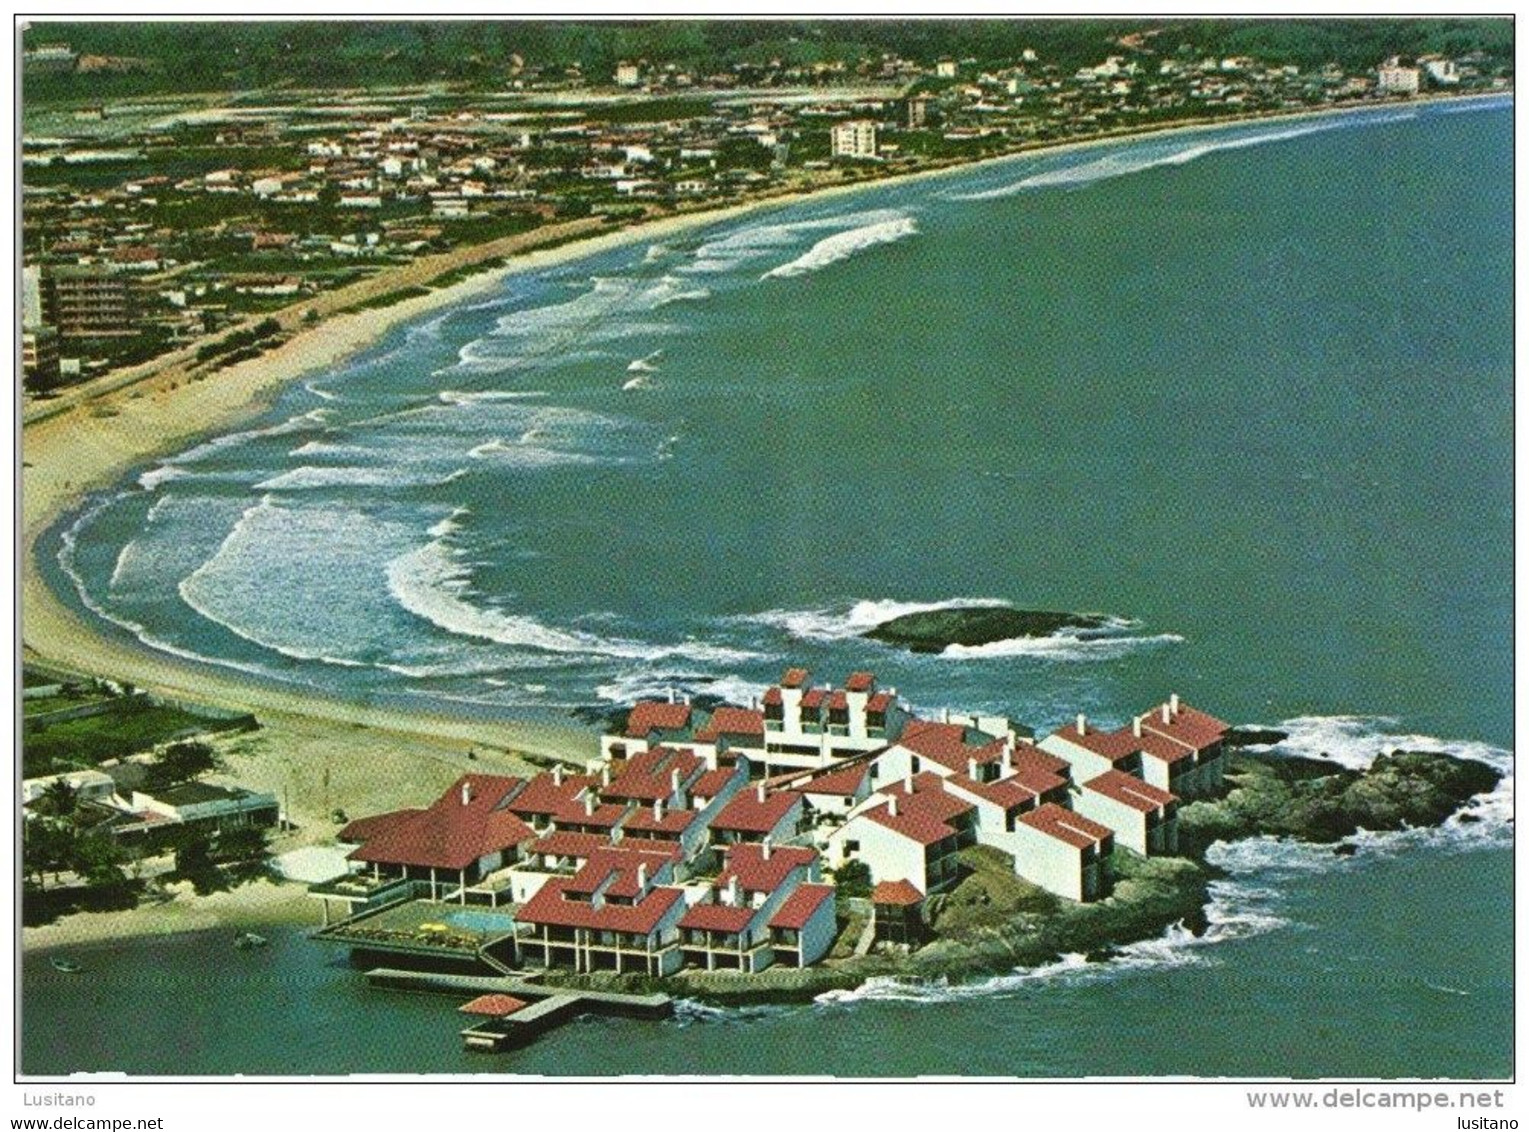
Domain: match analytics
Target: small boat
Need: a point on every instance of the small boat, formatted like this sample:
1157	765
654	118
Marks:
67	966
246	940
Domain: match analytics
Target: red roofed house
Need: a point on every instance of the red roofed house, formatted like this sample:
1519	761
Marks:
836	790
803	928
1091	752
911	831
612	915
466	834
754	916
899	912
1183	750
1144	817
807	727
1064	852
755	814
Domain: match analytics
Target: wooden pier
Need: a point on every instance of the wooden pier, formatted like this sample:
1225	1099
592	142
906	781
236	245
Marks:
548	1007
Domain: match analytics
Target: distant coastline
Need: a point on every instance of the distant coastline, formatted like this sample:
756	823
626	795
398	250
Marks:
91	437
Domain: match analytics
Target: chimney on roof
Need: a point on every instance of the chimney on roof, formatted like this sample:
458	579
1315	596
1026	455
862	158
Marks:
467	792
908	783
557	775
1082	724
759	792
944	715
1006	766
671	695
605	774
732	890
764	849
971	769
892	805
1167	714
1136	726
687	699
589	803
642	875
674	780
1173	702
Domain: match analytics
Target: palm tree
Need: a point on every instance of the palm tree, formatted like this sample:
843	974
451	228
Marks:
63	798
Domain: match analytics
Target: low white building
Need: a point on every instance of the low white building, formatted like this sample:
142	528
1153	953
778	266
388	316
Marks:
1064	852
1396	79
1144	818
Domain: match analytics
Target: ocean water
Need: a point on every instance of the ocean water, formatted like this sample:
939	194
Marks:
1246	391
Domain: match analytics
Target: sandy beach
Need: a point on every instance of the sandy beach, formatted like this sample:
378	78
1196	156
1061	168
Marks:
317	753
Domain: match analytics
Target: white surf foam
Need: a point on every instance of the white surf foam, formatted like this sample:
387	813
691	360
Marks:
303	422
646	364
321	393
840	622
154	478
432	583
311	477
1063	645
843	245
1137	160
457	397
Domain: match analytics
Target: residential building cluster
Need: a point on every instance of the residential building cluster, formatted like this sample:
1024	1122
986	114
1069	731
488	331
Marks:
170	233
715	838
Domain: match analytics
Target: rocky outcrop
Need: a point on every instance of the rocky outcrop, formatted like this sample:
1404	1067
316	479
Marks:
935	629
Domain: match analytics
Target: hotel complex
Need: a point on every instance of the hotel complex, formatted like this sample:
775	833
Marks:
708	838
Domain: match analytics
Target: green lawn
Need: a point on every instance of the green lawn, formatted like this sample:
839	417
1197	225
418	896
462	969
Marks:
133	725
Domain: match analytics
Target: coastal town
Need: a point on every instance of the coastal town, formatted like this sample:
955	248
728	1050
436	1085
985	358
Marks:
166	228
500	505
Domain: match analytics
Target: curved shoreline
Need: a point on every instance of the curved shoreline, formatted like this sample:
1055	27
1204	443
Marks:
94	436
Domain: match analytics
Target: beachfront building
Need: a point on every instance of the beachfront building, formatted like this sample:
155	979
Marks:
854	139
899	912
1144	817
615	914
912	830
1173	747
734	926
756	814
464	836
1393	78
1090	751
1064	852
807	727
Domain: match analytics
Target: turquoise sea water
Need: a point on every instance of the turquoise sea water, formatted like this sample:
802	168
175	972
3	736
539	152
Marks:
1246	391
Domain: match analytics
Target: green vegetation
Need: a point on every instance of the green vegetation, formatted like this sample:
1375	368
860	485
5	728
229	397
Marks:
238	340
204	56
127	726
390	298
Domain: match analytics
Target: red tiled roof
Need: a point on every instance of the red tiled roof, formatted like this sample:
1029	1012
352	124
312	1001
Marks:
923	816
1005	793
543	797
1112	745
896	892
794	678
1196	728
860	682
879	702
946	744
713	782
745	813
656	715
1065	825
449	834
1162	748
673	821
1038	770
549	907
845	781
606	815
718	918
669	850
838	701
563	843
755	873
362	828
648	776
1129	790
800	906
813	698
493	1005
772	695
729	720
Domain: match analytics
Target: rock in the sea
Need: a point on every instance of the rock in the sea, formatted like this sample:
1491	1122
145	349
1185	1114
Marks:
934	629
1253	737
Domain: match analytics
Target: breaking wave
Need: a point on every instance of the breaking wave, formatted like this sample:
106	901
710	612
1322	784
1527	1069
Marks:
842	245
1137	161
319	476
1110	642
841	622
432	583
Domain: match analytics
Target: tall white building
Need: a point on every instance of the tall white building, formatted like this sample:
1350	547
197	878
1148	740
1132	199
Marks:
854	139
31	297
1394	79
